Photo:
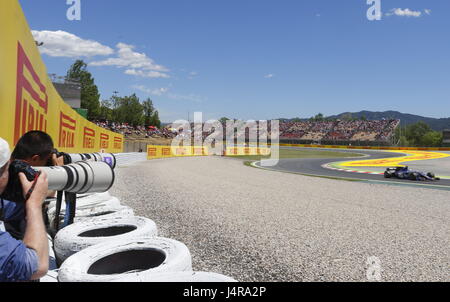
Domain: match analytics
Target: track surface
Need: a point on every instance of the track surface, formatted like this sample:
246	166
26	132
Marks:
258	225
314	167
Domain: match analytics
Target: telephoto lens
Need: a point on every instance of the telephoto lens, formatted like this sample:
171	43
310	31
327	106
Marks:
108	158
81	177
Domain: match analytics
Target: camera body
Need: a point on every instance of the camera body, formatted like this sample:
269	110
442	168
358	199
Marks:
13	191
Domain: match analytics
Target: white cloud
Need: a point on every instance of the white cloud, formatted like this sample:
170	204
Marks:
146	74
427	11
138	64
269	76
191	97
173	96
156	91
404	13
192	75
63	44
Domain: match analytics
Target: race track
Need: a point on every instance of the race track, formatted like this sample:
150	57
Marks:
258	225
315	167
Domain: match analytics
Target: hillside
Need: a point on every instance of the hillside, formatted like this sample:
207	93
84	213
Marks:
405	118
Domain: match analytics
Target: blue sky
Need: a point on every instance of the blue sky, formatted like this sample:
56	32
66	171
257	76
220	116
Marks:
256	59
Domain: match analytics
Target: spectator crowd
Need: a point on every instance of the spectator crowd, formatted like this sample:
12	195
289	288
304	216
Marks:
136	131
355	130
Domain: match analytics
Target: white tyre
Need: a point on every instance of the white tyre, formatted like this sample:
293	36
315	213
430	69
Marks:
126	260
188	277
88	200
86	233
84	204
101	212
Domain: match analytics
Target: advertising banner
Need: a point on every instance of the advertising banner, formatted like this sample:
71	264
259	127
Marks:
28	99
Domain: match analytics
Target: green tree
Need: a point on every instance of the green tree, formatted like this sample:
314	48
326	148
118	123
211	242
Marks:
90	97
415	133
128	110
403	142
155	121
106	111
148	112
319	117
432	139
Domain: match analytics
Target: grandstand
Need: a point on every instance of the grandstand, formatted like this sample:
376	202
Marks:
340	132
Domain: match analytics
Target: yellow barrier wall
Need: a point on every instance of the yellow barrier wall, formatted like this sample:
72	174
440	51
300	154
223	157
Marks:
154	152
28	99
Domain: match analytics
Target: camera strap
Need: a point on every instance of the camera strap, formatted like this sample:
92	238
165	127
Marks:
59	196
71	200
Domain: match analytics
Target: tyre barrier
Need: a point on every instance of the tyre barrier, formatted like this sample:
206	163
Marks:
130	260
100	212
188	277
86	233
88	201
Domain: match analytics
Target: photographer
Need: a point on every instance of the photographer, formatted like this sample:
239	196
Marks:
27	260
36	149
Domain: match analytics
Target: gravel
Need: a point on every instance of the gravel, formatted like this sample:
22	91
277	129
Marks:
258	225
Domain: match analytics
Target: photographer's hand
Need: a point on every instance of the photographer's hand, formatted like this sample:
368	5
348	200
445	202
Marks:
35	233
57	161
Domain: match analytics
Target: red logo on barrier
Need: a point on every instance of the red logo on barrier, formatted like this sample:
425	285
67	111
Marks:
181	151
166	151
67	128
31	106
104	141
152	152
117	143
89	138
198	151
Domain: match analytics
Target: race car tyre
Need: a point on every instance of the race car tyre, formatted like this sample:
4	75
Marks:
431	175
126	260
413	176
188	277
86	233
387	175
100	212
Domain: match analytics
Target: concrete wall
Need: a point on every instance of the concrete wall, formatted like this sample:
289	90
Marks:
135	146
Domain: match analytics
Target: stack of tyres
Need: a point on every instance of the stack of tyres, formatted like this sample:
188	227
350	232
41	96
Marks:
86	233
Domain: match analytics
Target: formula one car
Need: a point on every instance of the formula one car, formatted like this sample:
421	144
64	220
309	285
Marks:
406	173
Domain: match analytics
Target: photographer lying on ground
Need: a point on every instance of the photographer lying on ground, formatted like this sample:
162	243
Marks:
27	260
36	149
